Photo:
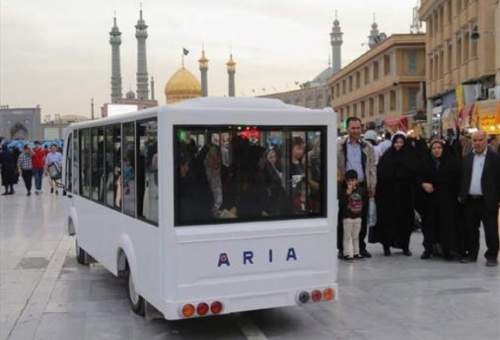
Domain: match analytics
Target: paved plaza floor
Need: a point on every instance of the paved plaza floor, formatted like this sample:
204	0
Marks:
45	294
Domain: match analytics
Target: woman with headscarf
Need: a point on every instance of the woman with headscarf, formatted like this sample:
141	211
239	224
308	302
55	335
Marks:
8	163
439	181
396	178
273	183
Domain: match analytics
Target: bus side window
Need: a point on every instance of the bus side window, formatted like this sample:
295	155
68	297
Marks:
85	163
69	168
147	170
112	179
75	185
97	173
128	169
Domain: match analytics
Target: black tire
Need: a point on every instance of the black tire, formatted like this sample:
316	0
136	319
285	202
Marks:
136	301
81	255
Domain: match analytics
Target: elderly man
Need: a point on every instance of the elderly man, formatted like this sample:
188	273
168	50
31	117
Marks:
355	154
480	193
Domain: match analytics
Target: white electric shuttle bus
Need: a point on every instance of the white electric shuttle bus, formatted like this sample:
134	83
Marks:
210	206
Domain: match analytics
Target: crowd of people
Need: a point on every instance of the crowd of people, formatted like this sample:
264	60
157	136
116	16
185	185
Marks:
238	178
30	164
384	186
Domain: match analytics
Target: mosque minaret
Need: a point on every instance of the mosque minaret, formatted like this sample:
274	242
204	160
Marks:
231	70
116	78
203	62
141	34
336	42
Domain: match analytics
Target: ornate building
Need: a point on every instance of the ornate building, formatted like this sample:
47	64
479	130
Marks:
384	83
315	94
20	123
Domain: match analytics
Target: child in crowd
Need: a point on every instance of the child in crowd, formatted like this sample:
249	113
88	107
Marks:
351	203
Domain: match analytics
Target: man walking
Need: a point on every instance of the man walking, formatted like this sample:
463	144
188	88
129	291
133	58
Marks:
25	166
480	193
355	154
38	165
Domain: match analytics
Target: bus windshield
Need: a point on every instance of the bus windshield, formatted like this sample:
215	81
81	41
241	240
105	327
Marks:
226	174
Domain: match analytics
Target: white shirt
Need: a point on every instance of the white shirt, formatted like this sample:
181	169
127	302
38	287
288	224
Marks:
53	157
477	172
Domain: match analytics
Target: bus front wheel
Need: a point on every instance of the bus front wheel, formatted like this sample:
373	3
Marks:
81	255
136	301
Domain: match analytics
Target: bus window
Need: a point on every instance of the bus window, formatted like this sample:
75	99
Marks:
76	163
248	173
128	175
97	155
112	180
314	183
147	170
85	163
297	176
69	167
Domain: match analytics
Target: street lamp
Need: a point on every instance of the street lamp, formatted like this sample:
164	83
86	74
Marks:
476	35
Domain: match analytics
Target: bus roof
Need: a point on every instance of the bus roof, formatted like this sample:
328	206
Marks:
209	103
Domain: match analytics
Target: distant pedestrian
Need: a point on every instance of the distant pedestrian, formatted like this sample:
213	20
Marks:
38	165
480	193
25	166
351	203
356	154
53	165
9	170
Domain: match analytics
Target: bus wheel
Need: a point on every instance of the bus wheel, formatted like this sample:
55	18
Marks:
81	255
136	301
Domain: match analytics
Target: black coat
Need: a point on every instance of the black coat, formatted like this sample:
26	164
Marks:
440	206
8	162
396	179
490	180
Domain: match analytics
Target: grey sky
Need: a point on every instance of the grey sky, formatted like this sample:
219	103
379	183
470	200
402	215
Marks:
56	52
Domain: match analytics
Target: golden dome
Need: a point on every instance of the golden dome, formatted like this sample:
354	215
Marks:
181	86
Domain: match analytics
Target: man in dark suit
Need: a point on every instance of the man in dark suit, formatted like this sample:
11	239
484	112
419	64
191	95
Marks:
480	193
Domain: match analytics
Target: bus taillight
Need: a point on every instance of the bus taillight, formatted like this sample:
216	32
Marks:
216	307
188	310
328	294
202	309
316	295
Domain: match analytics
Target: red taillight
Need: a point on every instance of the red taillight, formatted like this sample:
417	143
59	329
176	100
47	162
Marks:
216	307
188	310
316	295
202	308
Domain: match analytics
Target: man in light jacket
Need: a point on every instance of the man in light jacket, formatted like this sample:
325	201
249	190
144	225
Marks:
355	154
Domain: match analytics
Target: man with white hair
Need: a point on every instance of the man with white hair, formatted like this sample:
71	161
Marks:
480	193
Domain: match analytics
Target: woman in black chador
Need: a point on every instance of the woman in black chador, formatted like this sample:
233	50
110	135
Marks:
396	178
8	164
439	181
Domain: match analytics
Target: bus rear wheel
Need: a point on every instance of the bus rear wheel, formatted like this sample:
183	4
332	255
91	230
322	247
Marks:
136	301
81	255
